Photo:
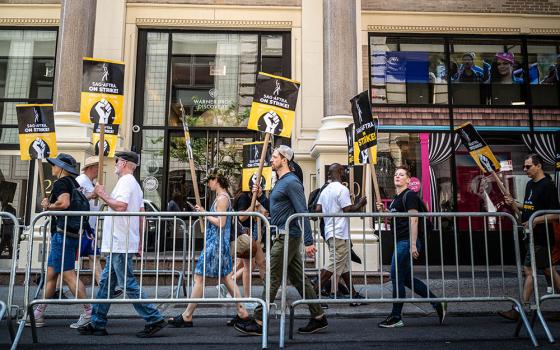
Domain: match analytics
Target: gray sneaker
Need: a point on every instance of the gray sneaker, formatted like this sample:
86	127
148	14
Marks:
39	315
84	320
222	291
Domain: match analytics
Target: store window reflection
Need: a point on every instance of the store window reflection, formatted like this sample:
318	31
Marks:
544	59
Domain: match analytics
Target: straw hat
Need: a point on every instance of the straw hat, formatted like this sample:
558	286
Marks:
90	161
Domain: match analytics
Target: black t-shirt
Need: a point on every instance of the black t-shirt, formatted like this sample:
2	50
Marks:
540	195
61	186
398	205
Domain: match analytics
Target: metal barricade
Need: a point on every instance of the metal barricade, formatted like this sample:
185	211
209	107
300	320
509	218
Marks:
449	282
543	259
164	293
8	219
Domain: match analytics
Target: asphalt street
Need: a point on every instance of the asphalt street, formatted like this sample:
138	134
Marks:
420	332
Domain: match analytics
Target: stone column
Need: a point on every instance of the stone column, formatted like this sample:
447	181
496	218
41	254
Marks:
75	41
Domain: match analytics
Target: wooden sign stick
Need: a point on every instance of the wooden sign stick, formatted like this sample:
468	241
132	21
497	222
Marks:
351	183
505	192
259	172
101	148
39	164
374	177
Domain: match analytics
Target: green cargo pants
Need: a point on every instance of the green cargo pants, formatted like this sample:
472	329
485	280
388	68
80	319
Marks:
295	273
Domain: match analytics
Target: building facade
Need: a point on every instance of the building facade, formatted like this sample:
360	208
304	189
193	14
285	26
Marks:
429	67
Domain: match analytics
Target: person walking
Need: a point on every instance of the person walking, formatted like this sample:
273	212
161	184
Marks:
287	198
408	243
64	240
335	199
122	239
215	260
540	194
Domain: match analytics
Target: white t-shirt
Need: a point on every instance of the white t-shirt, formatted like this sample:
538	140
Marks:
333	198
126	190
87	186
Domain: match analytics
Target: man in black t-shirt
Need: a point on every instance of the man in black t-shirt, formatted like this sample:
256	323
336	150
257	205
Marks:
64	245
540	194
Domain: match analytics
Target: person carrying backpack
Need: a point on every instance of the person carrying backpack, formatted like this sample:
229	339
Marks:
408	243
65	232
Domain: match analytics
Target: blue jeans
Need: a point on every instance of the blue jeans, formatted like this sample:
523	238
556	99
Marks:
401	262
55	254
115	266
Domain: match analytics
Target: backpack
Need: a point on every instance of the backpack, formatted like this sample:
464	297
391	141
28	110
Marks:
78	202
314	199
422	209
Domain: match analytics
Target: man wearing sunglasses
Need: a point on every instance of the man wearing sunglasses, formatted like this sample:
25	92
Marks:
540	194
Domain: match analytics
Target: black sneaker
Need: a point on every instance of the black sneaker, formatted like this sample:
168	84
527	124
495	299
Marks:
250	327
391	322
314	325
151	329
118	292
441	310
90	330
235	320
179	322
357	296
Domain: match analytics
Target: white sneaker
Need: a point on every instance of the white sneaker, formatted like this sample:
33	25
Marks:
549	290
84	320
222	291
39	315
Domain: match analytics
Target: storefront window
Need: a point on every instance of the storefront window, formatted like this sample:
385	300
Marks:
544	62
487	72
26	74
408	70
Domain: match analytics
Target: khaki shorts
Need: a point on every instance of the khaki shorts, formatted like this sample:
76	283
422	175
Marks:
339	251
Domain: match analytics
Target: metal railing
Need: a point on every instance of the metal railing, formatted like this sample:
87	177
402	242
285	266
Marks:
542	259
175	217
8	306
460	280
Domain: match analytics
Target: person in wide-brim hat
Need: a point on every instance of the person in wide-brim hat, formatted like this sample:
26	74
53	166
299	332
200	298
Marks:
64	161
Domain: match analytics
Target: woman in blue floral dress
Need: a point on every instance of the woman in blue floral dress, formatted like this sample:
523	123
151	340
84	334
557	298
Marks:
215	260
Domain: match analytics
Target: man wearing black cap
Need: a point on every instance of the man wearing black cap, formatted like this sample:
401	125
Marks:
287	198
121	241
64	243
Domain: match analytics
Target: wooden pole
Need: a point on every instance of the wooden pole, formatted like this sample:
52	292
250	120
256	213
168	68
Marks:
505	192
39	164
101	148
374	177
351	183
259	172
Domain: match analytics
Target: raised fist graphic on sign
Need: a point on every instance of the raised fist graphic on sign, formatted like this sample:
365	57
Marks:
103	109
271	120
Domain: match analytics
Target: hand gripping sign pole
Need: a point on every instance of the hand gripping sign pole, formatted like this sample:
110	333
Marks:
37	137
483	156
190	156
272	112
366	133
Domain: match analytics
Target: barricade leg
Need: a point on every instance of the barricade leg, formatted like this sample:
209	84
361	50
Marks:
545	327
292	315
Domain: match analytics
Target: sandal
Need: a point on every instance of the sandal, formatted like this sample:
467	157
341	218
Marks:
179	322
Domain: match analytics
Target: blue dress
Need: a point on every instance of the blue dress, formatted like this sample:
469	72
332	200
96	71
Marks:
209	261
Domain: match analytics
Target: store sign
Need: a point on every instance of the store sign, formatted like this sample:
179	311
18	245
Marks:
202	104
478	149
102	97
274	105
366	124
37	137
217	69
150	184
251	157
110	140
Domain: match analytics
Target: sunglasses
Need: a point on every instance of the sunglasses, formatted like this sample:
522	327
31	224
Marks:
119	159
526	167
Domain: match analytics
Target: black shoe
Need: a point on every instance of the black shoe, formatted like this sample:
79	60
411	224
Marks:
324	306
179	322
314	325
391	322
117	293
90	330
151	329
250	327
235	320
57	293
441	310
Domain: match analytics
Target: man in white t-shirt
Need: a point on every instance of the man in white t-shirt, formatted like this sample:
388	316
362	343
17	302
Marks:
121	242
335	199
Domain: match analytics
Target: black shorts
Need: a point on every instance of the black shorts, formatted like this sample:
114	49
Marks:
542	257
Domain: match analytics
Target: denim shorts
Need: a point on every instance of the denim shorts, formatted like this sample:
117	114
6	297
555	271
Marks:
55	254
